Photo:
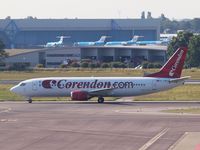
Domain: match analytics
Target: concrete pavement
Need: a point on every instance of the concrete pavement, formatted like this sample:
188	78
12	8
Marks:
83	126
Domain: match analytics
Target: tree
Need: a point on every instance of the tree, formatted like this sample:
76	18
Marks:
30	17
182	40
162	17
3	54
105	65
185	25
92	65
8	17
84	64
75	65
143	15
174	26
194	48
192	42
196	24
165	24
190	25
149	15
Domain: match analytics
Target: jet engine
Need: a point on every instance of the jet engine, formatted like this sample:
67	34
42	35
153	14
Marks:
79	95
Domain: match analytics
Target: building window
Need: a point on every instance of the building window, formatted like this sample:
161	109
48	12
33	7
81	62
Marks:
63	55
54	63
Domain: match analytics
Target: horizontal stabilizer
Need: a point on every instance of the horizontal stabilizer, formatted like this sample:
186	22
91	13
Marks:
179	79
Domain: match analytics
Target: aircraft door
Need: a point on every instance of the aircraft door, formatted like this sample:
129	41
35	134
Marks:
35	85
154	85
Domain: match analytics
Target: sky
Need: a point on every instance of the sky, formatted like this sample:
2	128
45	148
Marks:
173	9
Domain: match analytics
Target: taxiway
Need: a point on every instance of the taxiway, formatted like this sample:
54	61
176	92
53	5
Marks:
88	125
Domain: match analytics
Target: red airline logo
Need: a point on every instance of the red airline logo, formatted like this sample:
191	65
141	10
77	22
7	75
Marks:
64	84
173	69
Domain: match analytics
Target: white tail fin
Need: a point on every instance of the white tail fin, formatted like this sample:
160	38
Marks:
103	38
62	38
135	38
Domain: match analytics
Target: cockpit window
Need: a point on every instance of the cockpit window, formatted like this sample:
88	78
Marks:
22	84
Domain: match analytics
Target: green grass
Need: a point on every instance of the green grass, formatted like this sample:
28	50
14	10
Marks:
5	94
194	73
187	110
181	93
16	75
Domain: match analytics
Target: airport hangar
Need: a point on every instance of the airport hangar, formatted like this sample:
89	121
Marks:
32	32
54	57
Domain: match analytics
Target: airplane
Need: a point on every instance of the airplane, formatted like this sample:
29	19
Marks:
159	42
100	42
164	37
149	42
58	43
130	42
84	88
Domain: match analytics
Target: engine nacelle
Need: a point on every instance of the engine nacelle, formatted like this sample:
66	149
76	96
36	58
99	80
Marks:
79	95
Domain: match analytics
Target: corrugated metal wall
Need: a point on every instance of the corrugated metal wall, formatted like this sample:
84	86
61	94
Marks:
36	32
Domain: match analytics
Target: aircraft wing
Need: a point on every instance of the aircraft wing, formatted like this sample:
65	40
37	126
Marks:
179	79
98	92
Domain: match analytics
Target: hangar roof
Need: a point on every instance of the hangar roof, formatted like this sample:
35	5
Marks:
79	24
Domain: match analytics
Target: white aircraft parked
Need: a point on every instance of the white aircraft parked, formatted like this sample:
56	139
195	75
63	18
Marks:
58	43
84	88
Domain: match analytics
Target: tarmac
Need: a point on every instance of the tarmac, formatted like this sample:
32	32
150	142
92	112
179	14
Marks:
92	126
189	141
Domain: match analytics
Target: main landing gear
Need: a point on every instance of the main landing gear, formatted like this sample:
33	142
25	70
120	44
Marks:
100	100
30	100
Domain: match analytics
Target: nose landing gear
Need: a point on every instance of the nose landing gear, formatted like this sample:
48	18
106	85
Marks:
30	100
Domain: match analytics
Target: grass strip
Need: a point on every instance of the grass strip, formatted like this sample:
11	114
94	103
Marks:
181	93
23	75
187	110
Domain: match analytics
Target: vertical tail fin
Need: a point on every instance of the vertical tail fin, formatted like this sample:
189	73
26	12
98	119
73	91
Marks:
135	38
62	38
102	39
173	67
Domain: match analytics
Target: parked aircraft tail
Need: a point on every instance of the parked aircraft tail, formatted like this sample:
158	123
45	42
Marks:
173	67
62	38
103	38
135	38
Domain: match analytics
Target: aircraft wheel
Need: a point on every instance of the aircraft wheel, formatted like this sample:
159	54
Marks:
100	100
30	100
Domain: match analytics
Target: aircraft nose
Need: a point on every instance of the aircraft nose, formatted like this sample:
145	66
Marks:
14	89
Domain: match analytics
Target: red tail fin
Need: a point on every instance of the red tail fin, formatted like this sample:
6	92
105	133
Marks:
173	67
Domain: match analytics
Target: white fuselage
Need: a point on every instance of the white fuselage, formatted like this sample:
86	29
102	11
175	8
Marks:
120	86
